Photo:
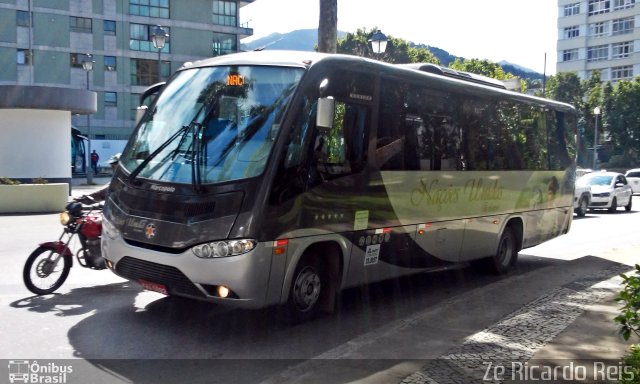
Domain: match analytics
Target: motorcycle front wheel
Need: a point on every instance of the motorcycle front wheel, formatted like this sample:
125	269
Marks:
45	270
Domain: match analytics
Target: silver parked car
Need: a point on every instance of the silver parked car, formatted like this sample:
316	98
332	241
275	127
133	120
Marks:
609	190
633	177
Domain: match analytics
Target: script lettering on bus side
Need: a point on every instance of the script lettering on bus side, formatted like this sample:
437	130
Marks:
482	190
433	194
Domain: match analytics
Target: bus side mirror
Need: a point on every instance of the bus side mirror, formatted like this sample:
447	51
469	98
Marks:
325	113
140	111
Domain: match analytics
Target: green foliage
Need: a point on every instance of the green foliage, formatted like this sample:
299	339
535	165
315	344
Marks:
629	297
481	67
565	87
8	181
632	366
335	138
398	51
39	180
619	118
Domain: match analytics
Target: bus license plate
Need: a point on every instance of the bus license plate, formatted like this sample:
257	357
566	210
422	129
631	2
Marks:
156	287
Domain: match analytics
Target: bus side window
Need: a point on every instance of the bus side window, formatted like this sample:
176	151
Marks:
390	140
343	149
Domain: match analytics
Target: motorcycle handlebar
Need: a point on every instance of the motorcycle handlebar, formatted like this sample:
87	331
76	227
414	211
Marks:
88	202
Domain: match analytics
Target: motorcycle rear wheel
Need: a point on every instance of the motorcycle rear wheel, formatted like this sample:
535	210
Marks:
40	275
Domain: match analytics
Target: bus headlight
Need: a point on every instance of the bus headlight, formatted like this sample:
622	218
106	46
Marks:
224	248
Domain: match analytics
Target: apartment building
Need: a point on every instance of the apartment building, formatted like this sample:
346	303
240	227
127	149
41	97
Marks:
45	42
600	35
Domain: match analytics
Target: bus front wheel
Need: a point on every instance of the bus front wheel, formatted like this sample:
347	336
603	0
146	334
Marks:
506	255
309	285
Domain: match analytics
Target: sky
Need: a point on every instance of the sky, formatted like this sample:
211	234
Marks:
518	31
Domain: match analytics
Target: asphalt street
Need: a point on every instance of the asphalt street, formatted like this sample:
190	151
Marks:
441	327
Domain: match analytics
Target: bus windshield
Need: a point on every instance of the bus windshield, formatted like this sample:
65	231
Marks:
212	124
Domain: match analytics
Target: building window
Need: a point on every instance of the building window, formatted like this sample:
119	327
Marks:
110	99
571	32
599	29
149	8
597	53
145	72
23	19
570	54
622	73
572	9
622	26
76	59
110	63
623	4
225	13
224	43
80	24
621	50
109	27
23	57
598	6
140	38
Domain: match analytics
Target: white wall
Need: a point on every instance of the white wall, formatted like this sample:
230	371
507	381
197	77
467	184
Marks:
35	143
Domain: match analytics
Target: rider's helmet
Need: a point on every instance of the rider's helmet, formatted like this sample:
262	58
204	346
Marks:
113	160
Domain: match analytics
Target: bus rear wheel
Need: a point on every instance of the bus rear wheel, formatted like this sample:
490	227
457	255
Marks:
506	255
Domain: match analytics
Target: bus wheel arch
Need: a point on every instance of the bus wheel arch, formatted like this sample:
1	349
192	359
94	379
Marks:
507	248
315	283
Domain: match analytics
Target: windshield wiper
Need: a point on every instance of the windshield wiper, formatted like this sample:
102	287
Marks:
196	150
134	174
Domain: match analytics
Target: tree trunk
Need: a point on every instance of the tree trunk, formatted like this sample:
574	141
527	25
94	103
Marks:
328	26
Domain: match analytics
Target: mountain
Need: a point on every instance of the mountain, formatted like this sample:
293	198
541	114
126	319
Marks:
298	40
307	39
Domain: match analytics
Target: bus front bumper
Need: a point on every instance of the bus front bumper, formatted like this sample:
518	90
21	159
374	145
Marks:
246	276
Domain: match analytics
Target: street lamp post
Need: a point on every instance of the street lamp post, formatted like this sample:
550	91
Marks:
378	42
159	38
596	113
87	65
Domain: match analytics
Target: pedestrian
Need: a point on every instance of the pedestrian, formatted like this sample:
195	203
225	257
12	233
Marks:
94	161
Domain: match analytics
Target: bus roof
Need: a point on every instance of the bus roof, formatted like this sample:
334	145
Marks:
303	59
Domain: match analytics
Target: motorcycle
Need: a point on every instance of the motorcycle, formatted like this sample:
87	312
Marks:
47	268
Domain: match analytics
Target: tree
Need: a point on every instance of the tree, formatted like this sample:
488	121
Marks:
398	51
565	87
481	67
328	26
623	119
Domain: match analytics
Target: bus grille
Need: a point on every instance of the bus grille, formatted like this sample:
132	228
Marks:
170	277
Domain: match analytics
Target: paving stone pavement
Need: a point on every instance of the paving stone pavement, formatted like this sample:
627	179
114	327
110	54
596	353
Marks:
520	335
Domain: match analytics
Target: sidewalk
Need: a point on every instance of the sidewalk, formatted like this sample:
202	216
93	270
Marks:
587	349
80	187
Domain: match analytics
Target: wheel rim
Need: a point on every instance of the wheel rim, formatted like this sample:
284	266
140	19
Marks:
306	290
505	251
44	268
583	206
45	273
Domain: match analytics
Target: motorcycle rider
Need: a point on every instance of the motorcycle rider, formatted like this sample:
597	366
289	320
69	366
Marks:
101	194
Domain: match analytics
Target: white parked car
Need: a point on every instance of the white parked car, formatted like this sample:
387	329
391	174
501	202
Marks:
609	190
581	199
633	177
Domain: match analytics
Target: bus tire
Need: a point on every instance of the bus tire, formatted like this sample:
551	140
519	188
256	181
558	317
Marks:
309	286
505	257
